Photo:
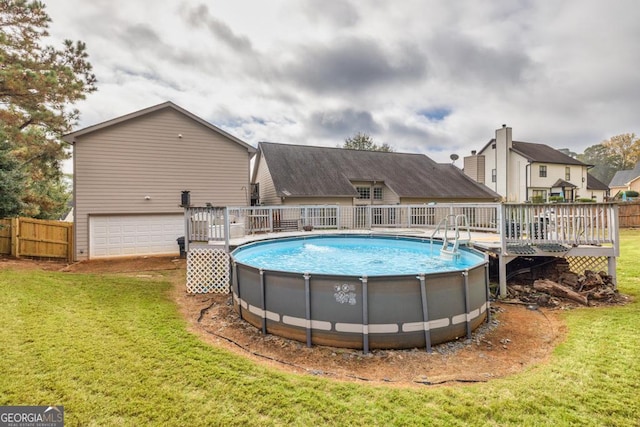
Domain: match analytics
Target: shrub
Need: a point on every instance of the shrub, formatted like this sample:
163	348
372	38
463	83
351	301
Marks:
537	199
556	199
586	200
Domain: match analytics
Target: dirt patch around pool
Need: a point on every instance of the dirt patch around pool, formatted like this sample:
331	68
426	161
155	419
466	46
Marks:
517	337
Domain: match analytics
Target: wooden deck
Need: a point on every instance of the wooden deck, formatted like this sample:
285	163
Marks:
584	232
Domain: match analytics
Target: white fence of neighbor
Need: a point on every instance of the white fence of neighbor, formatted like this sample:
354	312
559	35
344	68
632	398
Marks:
569	224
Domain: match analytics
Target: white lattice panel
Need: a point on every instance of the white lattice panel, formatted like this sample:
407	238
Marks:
207	271
579	264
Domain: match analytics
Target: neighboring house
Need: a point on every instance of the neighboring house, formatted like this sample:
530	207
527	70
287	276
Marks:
524	171
596	189
129	174
68	215
626	180
306	175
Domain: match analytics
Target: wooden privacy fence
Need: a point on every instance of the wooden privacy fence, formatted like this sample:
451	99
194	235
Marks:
629	214
36	238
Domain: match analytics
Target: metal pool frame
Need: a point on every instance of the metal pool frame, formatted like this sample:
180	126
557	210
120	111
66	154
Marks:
360	312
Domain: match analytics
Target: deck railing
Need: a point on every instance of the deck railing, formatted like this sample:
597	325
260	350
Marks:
482	216
568	224
218	224
206	224
269	219
572	224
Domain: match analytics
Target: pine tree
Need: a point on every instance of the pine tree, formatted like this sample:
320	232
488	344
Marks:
11	181
362	141
38	86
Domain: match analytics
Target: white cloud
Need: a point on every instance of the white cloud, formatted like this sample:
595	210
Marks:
561	73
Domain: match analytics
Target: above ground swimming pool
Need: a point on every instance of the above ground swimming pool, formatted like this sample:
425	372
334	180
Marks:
360	291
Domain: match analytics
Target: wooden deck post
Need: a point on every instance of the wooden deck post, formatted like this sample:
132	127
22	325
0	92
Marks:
187	231
614	223
502	262
611	270
502	274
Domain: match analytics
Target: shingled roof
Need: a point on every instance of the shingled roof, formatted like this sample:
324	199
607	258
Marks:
540	153
594	183
623	178
561	183
308	171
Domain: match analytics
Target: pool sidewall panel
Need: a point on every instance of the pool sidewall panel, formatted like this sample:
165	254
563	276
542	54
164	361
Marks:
285	293
394	301
336	306
336	299
477	287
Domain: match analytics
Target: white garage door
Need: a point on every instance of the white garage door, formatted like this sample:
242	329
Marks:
127	235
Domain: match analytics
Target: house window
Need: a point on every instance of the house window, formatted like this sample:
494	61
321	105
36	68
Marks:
539	196
377	193
364	192
543	171
567	173
494	175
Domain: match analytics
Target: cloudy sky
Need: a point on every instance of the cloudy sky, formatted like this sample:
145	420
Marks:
433	77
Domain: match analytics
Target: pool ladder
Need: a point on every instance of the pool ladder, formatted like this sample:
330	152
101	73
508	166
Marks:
452	225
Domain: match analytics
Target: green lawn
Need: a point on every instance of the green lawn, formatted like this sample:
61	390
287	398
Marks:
114	351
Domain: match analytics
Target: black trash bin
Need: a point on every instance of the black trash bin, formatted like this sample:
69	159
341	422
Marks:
180	241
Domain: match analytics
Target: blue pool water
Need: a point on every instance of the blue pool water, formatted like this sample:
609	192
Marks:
353	255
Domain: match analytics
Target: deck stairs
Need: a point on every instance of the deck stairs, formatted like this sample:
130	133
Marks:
454	231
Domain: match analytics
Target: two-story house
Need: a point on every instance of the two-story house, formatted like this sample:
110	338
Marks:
525	171
130	172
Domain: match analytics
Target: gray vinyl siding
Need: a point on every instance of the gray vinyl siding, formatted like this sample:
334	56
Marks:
474	168
117	166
